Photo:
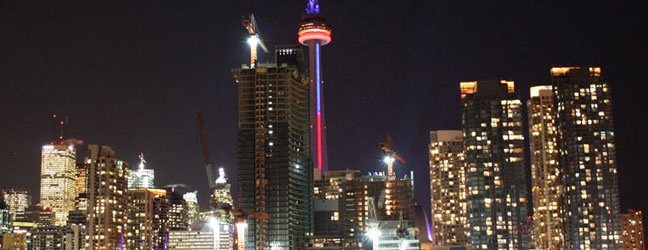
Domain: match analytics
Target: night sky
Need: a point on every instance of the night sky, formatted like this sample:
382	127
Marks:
130	74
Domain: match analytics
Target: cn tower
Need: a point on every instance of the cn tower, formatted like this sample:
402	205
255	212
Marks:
315	32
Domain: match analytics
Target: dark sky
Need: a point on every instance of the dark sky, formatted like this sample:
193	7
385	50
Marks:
130	74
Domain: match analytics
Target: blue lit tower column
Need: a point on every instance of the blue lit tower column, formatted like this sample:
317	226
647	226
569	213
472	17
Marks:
315	32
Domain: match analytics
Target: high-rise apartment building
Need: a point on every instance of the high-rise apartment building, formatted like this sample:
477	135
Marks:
147	219
17	200
494	165
108	199
546	181
178	210
274	171
587	158
448	188
632	231
58	180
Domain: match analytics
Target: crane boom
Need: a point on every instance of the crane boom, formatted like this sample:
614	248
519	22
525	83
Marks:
205	151
251	26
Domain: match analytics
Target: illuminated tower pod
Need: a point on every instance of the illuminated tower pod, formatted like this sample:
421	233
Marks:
546	184
587	158
314	32
58	184
448	187
494	164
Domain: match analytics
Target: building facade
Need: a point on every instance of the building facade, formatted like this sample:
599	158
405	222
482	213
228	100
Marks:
58	180
494	165
147	219
17	200
178	210
193	208
274	173
216	238
546	182
108	199
141	177
448	188
587	158
632	230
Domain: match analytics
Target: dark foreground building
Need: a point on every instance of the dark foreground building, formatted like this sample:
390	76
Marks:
494	165
274	170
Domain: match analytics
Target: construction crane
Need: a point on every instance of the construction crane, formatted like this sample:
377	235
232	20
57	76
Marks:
390	155
250	25
205	152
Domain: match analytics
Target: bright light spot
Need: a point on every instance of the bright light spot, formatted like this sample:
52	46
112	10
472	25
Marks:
388	160
403	246
253	41
213	223
374	234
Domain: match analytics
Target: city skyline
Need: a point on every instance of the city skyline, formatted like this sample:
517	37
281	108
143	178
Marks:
417	108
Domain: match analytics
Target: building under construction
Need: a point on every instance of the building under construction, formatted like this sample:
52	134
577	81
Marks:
274	171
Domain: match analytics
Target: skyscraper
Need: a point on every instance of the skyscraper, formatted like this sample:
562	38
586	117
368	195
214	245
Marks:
141	177
448	188
494	164
58	180
632	230
274	175
178	210
587	158
545	172
108	199
17	200
314	32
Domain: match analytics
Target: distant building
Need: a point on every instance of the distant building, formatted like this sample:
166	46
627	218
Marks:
50	238
141	177
632	230
17	200
178	210
343	203
193	207
58	180
14	241
81	183
448	188
587	158
274	169
546	182
108	200
494	164
147	219
5	217
33	216
215	236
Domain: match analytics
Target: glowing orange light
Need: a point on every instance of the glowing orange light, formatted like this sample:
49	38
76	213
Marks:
314	34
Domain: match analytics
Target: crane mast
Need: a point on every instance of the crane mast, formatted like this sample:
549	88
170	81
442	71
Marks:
251	26
205	151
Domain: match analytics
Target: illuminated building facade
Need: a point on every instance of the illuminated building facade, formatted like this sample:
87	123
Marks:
58	180
274	176
147	219
315	32
546	181
81	201
5	217
141	177
219	238
587	158
193	208
221	197
108	199
178	210
17	201
632	231
448	188
494	165
342	206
